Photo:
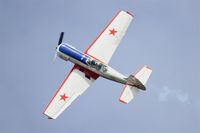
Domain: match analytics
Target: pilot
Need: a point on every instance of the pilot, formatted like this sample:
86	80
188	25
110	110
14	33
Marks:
93	63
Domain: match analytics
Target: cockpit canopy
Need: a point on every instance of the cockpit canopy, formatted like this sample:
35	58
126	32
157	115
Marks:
97	65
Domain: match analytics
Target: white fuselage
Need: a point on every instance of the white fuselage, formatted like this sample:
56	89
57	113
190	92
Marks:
67	52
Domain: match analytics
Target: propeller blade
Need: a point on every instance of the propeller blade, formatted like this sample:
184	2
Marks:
54	58
61	38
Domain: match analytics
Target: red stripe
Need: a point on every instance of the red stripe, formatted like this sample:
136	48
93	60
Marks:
123	101
89	73
86	51
75	66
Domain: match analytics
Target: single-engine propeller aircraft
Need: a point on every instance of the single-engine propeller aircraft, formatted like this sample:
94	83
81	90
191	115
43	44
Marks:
93	63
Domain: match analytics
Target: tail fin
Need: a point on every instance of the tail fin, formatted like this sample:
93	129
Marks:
140	79
144	74
134	83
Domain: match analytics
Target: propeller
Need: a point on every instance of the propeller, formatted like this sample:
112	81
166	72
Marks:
59	42
61	38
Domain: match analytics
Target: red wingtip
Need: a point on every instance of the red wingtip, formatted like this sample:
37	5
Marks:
123	101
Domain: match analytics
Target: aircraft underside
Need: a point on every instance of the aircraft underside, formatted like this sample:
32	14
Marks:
94	66
93	63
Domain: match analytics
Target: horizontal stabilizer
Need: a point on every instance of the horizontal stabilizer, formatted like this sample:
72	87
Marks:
143	75
134	83
128	94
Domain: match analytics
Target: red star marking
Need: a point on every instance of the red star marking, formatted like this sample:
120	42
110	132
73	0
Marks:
63	97
112	32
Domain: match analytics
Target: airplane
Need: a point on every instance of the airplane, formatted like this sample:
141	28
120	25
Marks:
92	64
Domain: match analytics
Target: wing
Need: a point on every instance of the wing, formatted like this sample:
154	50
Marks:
77	81
104	46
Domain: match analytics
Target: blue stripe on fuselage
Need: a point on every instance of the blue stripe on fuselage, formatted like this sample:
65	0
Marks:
74	53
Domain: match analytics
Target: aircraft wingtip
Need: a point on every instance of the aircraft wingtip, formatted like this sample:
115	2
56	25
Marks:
148	67
50	118
122	101
130	13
